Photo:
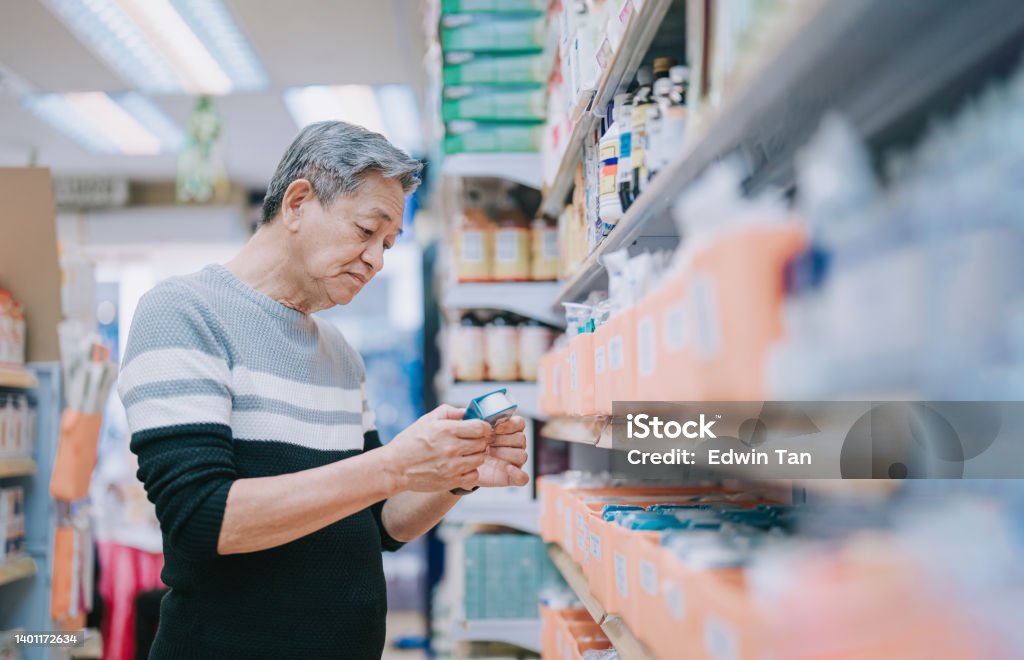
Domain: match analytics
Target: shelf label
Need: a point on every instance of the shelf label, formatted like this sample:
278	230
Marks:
549	245
709	329
616	353
648	577
720	639
675	327
675	602
646	346
595	547
621	577
581	533
599	359
568	529
573	381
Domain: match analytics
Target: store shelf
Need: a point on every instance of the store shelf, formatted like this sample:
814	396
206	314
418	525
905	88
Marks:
16	467
615	78
17	569
636	40
558	190
883	65
627	645
530	299
524	168
523	516
523	394
20	378
524	633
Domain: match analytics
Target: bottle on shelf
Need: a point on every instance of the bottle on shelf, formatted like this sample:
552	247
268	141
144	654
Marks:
467	350
501	340
610	205
474	243
511	243
638	120
534	341
544	250
624	103
661	91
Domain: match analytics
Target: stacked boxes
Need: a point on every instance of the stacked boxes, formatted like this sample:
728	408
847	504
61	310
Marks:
495	68
505	575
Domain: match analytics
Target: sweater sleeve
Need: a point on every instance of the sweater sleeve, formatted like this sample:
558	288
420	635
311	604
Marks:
371	440
174	383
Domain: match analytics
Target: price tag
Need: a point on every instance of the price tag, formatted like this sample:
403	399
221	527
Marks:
621	577
616	353
599	358
472	247
595	547
675	327
720	639
507	246
649	577
573	374
675	602
709	329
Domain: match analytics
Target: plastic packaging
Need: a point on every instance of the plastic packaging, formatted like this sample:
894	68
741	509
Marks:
467	350
577	318
502	342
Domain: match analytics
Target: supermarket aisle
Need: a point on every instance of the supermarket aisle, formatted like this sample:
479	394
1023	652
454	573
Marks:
747	270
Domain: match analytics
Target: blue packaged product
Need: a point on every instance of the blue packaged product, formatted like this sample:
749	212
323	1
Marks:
647	521
609	510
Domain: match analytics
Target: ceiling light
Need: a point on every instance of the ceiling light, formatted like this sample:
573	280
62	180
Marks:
166	46
111	124
390	110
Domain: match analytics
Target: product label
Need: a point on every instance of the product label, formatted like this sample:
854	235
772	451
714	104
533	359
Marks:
556	380
616	353
549	244
573	384
674	601
506	246
472	247
705	303
649	577
599	359
625	11
621	578
604	53
720	639
568	529
675	327
595	547
647	347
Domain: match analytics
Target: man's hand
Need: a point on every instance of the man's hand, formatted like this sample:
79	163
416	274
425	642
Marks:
506	455
440	451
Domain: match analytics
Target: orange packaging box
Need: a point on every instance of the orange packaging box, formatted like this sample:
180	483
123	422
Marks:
731	625
547	493
666	366
670	626
580	357
602	376
545	399
621	331
736	291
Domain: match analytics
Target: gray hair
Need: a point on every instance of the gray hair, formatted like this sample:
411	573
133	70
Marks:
334	157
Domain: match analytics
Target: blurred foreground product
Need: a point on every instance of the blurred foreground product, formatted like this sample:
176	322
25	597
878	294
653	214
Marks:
12	331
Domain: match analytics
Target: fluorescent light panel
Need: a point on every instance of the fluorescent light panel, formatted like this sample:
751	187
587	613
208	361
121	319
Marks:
166	46
125	123
389	109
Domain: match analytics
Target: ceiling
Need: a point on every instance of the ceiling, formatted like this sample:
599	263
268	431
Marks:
299	42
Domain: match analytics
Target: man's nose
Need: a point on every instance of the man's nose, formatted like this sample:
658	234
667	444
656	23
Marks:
374	256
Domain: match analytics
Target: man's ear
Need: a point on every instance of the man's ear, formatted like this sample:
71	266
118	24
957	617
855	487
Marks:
298	193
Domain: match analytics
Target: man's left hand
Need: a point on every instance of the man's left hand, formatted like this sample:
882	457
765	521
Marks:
506	455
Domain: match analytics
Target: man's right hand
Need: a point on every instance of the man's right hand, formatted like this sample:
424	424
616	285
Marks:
439	451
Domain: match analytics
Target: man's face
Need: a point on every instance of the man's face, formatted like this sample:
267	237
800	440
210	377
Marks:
342	245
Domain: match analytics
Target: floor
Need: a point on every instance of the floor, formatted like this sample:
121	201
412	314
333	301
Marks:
401	624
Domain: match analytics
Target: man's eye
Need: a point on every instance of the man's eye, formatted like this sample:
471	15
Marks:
366	232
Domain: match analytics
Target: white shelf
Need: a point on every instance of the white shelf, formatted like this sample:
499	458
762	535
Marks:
17	569
18	378
17	467
523	394
523	515
524	168
881	64
530	299
524	633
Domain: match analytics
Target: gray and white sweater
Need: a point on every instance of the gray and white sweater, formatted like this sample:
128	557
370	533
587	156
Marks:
221	382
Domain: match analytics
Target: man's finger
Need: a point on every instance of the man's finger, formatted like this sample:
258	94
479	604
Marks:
470	479
517	477
470	428
517	440
468	447
513	424
516	457
445	411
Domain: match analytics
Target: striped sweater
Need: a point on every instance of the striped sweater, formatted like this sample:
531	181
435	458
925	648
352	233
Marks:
221	382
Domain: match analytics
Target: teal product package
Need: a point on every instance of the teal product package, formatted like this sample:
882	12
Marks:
493	407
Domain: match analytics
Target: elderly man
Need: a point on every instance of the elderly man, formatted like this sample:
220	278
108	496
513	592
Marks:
254	436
